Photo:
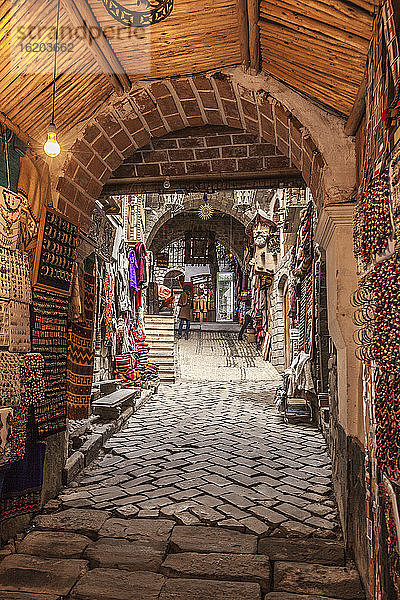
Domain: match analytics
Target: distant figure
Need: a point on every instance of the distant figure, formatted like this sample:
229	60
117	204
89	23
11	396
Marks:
248	320
185	303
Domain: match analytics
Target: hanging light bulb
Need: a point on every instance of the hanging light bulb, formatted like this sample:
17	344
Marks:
52	147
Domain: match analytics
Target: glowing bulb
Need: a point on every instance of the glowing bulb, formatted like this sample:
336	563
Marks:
52	147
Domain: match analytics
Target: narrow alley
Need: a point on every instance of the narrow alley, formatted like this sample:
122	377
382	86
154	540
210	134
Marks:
199	300
206	493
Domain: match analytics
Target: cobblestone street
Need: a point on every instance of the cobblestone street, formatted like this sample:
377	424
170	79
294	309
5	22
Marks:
206	493
216	453
220	356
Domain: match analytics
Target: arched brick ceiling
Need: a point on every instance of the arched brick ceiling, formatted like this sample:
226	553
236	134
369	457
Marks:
132	122
228	231
318	47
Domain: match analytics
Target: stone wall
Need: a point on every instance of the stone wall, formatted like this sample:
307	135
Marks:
276	313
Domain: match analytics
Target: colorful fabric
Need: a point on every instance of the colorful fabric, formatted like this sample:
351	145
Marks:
133	265
109	297
141	254
80	358
22	483
125	368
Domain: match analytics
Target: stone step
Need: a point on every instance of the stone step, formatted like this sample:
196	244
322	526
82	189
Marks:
198	589
34	574
118	585
113	553
323	552
287	596
54	544
211	539
222	567
112	405
304	578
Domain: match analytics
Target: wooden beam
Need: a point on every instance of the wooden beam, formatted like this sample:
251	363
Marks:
358	110
24	137
241	9
81	15
254	35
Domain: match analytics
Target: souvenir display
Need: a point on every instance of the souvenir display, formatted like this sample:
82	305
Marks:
15	280
109	297
49	338
19	327
10	212
55	253
4	323
80	357
10	388
32	382
372	222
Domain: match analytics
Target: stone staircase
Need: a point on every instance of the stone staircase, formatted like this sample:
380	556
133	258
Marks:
92	555
160	335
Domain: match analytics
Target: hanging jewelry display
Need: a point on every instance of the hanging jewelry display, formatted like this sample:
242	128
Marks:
55	253
372	220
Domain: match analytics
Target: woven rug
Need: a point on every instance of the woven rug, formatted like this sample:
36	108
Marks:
21	483
80	357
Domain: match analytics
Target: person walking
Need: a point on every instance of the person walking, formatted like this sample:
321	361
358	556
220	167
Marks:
247	321
185	303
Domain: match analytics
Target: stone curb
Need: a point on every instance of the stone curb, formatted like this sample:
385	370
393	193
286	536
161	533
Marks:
90	450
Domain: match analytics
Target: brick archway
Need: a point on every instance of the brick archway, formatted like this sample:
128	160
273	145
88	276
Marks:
154	110
230	232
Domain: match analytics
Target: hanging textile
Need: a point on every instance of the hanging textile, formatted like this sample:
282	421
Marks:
10	155
109	298
49	337
133	266
141	254
22	483
10	212
80	360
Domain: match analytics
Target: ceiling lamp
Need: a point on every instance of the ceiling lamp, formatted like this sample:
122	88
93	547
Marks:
146	12
206	211
52	147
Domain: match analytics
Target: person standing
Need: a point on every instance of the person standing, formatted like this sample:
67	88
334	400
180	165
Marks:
247	321
185	303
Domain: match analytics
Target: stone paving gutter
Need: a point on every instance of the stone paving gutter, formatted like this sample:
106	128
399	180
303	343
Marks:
101	432
90	555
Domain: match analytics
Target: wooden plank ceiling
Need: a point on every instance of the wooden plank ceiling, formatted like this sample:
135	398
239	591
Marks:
318	47
315	46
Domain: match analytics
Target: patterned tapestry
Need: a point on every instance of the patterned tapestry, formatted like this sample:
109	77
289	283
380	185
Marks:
80	359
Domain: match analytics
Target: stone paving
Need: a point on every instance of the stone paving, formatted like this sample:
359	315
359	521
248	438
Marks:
220	356
212	453
79	554
206	494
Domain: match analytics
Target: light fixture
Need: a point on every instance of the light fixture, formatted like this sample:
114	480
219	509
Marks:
206	211
52	147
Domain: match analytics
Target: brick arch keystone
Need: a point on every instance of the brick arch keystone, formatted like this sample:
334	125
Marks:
158	108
